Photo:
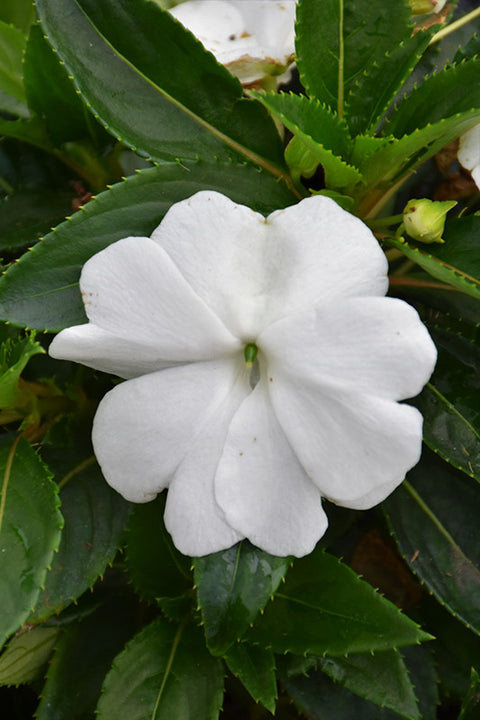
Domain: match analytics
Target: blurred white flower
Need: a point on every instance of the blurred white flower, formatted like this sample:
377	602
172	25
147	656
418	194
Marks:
469	153
422	7
252	38
264	368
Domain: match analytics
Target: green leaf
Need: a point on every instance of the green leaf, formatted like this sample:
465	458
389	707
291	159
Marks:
377	86
95	519
382	678
255	668
26	655
320	131
456	262
452	91
31	130
471	702
12	93
164	672
30	525
433	517
27	215
50	93
165	96
14	356
41	290
17	12
155	567
233	586
338	40
83	656
325	608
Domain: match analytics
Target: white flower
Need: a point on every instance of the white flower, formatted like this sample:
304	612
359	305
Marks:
469	153
253	38
249	452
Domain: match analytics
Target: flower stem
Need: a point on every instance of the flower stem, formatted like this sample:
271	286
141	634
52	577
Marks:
341	59
455	25
385	221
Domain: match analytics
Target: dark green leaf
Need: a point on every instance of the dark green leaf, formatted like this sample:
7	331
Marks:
457	261
14	356
376	87
12	93
26	655
382	678
163	95
317	129
30	525
255	667
41	290
434	520
324	607
31	130
83	656
50	93
163	673
471	702
95	519
233	586
452	91
423	674
155	567
337	41
27	215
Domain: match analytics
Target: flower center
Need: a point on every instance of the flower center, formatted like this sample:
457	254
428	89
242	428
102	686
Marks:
250	352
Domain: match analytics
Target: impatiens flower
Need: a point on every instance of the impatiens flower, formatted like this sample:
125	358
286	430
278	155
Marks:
469	153
253	38
264	370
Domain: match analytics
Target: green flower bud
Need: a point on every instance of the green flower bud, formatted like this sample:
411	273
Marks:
424	219
422	7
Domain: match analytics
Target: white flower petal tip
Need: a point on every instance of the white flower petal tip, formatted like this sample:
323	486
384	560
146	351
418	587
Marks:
265	369
253	38
469	153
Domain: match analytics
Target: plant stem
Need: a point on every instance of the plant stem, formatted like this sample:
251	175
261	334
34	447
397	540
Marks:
341	60
455	25
385	221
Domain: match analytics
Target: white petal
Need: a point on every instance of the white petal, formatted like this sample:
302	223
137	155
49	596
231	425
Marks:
132	290
99	349
356	448
261	487
374	345
252	272
469	152
272	22
216	23
219	246
194	519
145	427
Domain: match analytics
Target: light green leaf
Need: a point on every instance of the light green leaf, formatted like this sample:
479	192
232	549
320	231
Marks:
433	517
26	655
17	12
14	356
95	519
12	93
255	668
41	290
165	96
338	40
316	128
233	586
381	677
30	525
325	608
174	677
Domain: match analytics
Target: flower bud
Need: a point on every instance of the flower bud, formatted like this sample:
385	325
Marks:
424	219
422	7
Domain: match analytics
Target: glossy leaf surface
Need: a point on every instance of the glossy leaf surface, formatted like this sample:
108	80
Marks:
324	607
434	520
12	92
169	74
26	655
52	269
255	668
175	677
233	586
30	524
